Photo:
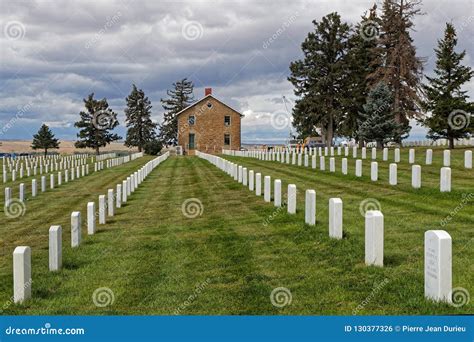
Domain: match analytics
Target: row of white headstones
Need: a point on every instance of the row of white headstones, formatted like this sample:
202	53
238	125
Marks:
71	174
438	269
294	155
22	280
67	162
63	160
297	159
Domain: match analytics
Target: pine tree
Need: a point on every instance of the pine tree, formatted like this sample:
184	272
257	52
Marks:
95	124
141	129
360	62
179	98
320	78
449	106
396	62
44	139
377	121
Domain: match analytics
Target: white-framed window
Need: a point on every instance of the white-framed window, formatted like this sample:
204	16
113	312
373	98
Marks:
227	120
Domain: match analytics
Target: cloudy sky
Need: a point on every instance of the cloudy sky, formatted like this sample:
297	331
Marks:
54	53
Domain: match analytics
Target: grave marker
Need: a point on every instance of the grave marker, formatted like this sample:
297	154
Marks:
335	218
55	248
374	238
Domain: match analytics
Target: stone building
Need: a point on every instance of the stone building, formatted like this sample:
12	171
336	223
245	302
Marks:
209	125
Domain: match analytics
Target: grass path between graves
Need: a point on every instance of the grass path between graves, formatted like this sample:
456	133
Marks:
153	259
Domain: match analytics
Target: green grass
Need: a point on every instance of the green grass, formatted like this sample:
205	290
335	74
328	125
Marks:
153	258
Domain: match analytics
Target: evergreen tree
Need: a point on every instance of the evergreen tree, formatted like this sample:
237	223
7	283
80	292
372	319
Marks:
153	147
360	62
448	103
377	120
179	98
396	63
320	78
138	118
95	124
44	139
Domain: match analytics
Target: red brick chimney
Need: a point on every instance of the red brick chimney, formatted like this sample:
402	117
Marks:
207	91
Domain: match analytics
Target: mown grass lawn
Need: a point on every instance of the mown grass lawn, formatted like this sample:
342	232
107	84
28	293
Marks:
228	260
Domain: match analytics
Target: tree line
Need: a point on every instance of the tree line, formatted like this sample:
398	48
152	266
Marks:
366	81
98	120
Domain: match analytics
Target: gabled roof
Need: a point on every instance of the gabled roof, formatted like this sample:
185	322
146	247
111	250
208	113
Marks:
205	98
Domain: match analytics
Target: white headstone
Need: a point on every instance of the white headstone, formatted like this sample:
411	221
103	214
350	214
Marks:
445	179
102	209
332	164
22	192
8	196
335	218
438	265
374	171
374	153
91	218
411	156
385	154
277	193
244	176
258	184
322	163
364	153
43	183
291	198
313	161
393	174
446	158
33	188
239	176
429	156
118	197
358	170
397	155
468	159
416	176
75	229
374	238
344	166
310	207
21	274
124	191
55	248
267	191
251	180
110	202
